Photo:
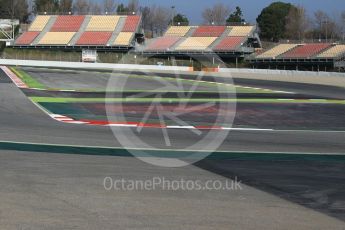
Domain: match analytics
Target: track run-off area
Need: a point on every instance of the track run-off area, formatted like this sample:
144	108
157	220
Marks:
286	144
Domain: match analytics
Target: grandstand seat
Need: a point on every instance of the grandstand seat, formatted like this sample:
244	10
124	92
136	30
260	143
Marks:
39	23
27	38
123	39
240	31
102	23
209	31
230	43
56	38
67	23
333	52
131	24
196	43
180	31
277	50
94	38
163	43
306	50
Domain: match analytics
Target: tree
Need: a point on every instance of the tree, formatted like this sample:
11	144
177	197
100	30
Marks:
146	18
216	15
325	27
122	9
109	6
160	19
95	8
236	17
133	6
180	18
342	24
155	19
272	21
49	6
296	23
65	6
81	7
14	9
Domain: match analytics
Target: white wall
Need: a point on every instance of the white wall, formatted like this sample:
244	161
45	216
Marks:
83	65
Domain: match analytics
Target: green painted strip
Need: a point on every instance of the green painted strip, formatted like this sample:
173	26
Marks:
103	151
176	100
27	79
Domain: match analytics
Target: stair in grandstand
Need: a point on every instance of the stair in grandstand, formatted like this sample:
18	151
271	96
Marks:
189	34
45	30
81	30
117	30
220	38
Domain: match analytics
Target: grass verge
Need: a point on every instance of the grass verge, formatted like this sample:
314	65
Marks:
27	79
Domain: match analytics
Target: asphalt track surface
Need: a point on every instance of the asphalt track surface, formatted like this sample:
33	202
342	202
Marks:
67	191
73	79
22	121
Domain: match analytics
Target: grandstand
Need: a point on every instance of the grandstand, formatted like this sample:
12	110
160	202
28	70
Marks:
277	51
103	32
196	43
307	56
39	23
163	43
178	31
209	31
124	39
119	32
306	50
334	52
94	38
230	43
27	38
240	31
226	41
67	23
103	23
56	38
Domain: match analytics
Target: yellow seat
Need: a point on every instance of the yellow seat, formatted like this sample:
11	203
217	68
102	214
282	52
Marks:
56	38
39	23
196	43
102	23
240	31
277	50
179	31
333	52
124	39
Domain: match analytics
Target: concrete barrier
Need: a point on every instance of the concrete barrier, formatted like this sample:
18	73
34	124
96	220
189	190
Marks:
280	72
318	78
83	65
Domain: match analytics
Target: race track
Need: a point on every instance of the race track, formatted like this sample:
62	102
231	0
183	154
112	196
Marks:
292	192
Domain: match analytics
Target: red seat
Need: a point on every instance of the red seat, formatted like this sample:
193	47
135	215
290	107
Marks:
27	38
94	38
306	50
163	43
209	31
131	24
230	43
67	23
